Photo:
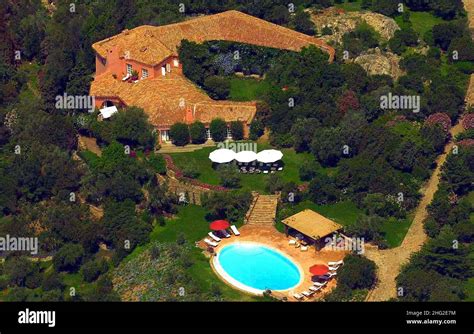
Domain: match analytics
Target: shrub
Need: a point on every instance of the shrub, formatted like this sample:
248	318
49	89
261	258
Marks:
229	175
93	269
68	258
237	130
218	87
179	134
190	171
357	273
309	169
197	132
256	129
218	129
158	163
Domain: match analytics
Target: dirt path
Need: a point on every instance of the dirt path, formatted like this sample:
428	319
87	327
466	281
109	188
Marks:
390	261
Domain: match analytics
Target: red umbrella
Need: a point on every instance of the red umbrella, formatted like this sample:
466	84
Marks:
319	269
218	225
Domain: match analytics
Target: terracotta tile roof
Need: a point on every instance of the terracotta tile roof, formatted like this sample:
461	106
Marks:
165	99
151	45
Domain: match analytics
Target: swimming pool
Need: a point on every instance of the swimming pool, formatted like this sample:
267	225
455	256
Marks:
255	267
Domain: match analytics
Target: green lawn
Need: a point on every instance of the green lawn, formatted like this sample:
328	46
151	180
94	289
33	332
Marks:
350	6
421	22
395	230
247	89
200	161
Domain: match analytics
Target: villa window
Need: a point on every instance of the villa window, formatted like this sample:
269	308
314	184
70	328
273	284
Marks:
129	69
168	68
175	63
165	135
208	133
229	133
144	73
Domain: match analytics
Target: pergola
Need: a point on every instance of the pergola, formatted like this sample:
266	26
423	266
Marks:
311	224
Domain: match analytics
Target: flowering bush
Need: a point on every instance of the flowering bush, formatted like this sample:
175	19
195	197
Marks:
468	122
440	118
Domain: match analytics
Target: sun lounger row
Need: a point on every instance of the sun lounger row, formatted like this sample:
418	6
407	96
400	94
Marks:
217	239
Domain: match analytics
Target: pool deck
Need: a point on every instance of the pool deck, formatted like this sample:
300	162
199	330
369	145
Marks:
269	236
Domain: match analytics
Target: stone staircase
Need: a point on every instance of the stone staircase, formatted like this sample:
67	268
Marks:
263	210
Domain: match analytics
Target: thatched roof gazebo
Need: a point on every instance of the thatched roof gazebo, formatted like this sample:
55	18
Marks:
311	224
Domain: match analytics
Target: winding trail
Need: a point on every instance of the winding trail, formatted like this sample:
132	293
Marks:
390	261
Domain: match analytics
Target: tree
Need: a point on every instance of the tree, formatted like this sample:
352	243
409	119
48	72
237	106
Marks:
93	269
444	33
237	130
256	129
218	87
197	132
131	127
327	146
367	227
218	128
18	269
302	22
322	189
279	15
447	9
68	258
179	134
357	272
123	229
303	132
385	7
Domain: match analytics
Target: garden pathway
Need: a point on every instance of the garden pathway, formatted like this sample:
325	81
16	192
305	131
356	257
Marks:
264	210
390	261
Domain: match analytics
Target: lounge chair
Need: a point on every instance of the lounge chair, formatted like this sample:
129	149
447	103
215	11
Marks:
292	242
304	248
336	263
308	293
234	230
320	284
265	172
213	236
298	296
226	234
210	243
333	268
297	244
280	168
315	288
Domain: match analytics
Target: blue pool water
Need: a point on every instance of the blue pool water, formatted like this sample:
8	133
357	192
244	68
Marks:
259	267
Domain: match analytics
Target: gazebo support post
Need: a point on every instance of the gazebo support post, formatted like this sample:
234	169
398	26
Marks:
286	230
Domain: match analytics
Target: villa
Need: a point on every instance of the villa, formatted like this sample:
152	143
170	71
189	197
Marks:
161	88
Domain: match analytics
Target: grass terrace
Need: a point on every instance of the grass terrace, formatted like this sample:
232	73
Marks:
421	22
200	161
247	89
352	6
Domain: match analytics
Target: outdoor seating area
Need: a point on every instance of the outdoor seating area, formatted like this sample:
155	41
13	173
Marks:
219	232
321	275
249	162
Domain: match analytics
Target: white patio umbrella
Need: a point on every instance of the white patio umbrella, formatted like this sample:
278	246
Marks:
246	156
269	156
222	156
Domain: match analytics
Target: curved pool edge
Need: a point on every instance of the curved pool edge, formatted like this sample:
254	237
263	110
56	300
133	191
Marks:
232	282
